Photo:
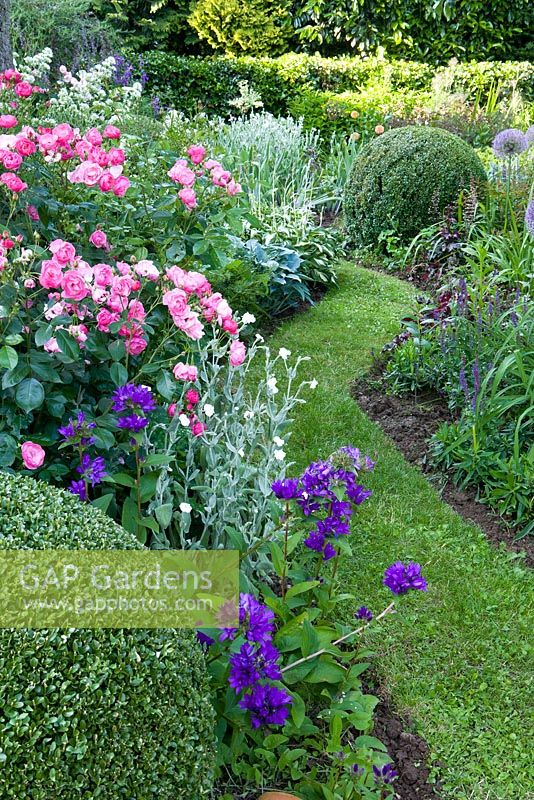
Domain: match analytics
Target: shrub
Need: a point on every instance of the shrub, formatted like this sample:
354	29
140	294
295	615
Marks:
404	179
238	27
104	713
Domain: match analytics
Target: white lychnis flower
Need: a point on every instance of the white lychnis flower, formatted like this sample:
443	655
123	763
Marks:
313	384
184	420
271	385
278	441
248	319
185	508
284	353
279	455
208	410
248	414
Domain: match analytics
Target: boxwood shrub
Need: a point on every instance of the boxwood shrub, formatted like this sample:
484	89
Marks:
404	179
87	714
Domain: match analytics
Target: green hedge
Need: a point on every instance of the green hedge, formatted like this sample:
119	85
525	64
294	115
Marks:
190	83
95	714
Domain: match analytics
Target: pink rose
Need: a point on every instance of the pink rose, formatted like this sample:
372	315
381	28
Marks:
188	198
196	153
8	121
135	345
136	311
190	325
73	285
180	173
211	164
94	136
90	173
185	372
221	177
176	302
106	182
51	346
230	326
48	142
105	318
103	275
29	283
63	132
63	251
177	276
238	351
23	89
116	156
122	285
13	182
111	132
32	212
33	455
233	188
147	269
51	275
100	240
196	282
121	186
11	160
54	311
25	147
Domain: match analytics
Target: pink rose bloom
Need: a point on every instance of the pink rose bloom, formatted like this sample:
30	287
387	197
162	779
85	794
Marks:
54	311
82	149
238	351
190	325
230	326
111	132
171	410
51	346
73	285
105	318
99	295
32	212
135	345
100	240
11	160
185	372
195	282
117	303
63	132
177	276
198	428
106	182
221	177
47	142
79	332
136	311
94	136
90	173
192	396
85	270
122	285
51	275
63	251
99	157
8	121
25	147
147	269
23	89
29	283
116	156
233	188
103	275
121	186
123	267
180	173
223	310
196	153
33	455
188	198
13	182
176	301
211	164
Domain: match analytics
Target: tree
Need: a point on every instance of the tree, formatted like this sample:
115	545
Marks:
243	27
6	55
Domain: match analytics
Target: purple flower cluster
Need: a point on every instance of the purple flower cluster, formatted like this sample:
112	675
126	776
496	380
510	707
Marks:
256	663
364	613
329	489
510	142
137	402
382	775
400	578
78	431
92	470
529	217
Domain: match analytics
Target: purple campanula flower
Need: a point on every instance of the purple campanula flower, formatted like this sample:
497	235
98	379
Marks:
288	489
358	494
315	541
132	422
329	552
244	671
385	774
205	640
133	397
358	770
93	471
256	618
400	578
78	487
78	430
364	613
267	705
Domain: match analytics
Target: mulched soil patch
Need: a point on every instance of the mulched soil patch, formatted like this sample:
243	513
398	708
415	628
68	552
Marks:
409	753
410	420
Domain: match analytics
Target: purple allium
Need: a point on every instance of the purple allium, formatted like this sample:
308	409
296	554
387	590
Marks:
133	397
287	489
268	705
78	487
510	142
529	135
364	613
132	422
529	218
92	470
400	578
205	640
385	774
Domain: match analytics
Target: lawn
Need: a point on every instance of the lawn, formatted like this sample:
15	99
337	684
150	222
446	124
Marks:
459	659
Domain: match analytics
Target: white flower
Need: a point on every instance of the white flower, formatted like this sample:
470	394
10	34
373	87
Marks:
271	386
185	508
259	338
241	452
248	319
313	384
208	410
248	414
278	441
184	420
279	455
284	353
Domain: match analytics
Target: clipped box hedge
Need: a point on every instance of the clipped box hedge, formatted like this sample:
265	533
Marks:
191	83
90	714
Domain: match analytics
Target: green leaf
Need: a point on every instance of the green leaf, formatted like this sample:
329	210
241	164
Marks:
14	376
274	740
326	672
103	502
67	344
43	334
9	358
298	710
166	386
129	519
278	558
310	640
164	515
300	588
8	450
123	479
29	395
118	374
148	485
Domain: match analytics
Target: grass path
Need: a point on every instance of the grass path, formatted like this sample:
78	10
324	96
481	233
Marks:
458	658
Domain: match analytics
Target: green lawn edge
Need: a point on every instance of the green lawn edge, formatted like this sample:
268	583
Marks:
459	658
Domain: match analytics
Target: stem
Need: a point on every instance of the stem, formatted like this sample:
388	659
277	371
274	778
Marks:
333	578
286	534
389	610
138	469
